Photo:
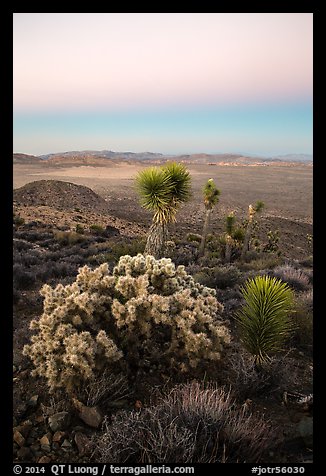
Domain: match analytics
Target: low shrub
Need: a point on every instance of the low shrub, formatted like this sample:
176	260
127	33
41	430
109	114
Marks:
191	424
296	278
80	229
131	248
240	372
307	262
194	237
220	277
184	253
106	390
22	277
18	220
65	238
259	263
20	245
33	236
57	269
97	230
303	321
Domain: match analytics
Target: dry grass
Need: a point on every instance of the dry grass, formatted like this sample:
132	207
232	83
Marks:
191	424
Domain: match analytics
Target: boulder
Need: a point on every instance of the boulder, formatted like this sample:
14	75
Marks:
18	438
59	421
92	416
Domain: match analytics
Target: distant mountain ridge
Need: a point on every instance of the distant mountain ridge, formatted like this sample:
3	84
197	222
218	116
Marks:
104	157
108	154
295	157
26	159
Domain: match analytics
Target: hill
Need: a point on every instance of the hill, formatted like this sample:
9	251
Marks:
26	159
59	195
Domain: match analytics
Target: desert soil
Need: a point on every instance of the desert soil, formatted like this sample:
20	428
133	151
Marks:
287	192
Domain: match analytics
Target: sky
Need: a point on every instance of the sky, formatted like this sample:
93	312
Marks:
173	83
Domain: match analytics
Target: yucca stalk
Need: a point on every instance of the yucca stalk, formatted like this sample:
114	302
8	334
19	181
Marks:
252	211
211	197
162	190
264	318
230	220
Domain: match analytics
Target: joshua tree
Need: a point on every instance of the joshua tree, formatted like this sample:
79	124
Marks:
252	211
162	190
211	198
230	220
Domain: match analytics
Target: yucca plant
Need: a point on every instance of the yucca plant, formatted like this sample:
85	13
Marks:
234	236
162	190
229	227
264	318
211	197
252	211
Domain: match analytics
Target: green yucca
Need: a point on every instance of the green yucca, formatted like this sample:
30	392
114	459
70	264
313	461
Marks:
264	318
229	223
252	211
161	191
211	197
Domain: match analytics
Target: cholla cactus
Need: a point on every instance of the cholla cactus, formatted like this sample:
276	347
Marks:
71	341
147	312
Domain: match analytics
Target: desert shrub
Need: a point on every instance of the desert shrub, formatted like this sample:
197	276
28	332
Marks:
272	245
65	238
264	318
307	262
240	372
306	300
220	277
231	298
112	252
194	237
22	278
238	234
295	278
259	262
33	236
31	257
303	330
106	390
146	312
184	254
18	220
191	424
20	245
57	269
212	242
207	261
131	248
98	259
80	229
97	229
303	321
